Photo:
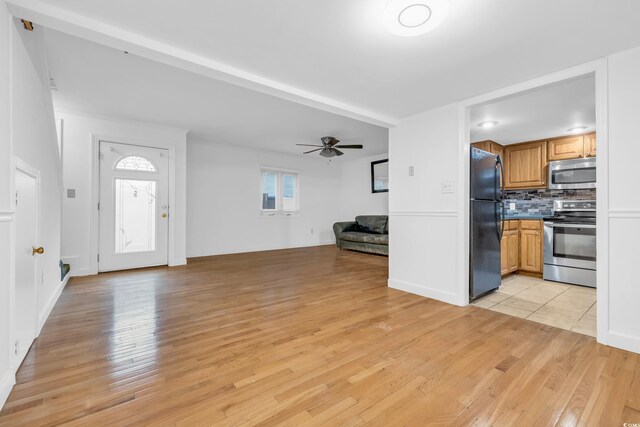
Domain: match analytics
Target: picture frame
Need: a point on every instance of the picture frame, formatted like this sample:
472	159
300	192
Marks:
380	176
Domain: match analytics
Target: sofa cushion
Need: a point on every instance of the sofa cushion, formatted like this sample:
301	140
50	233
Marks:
372	223
360	237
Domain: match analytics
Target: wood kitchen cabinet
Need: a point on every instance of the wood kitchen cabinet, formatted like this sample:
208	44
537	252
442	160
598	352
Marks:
490	147
590	145
531	246
526	165
566	148
509	248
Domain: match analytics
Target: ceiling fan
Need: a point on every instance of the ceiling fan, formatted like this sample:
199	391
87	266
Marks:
329	147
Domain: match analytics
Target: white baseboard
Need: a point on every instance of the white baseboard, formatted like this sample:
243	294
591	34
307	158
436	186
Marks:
78	272
448	297
263	248
44	315
7	381
179	262
624	342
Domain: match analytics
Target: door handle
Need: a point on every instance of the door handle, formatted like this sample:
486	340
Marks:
164	215
38	251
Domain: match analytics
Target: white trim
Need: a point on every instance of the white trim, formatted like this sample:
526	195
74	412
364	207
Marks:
599	68
431	214
86	271
623	341
264	249
7	382
46	311
425	291
99	32
624	213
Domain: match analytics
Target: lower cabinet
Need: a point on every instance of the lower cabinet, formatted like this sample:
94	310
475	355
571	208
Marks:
521	247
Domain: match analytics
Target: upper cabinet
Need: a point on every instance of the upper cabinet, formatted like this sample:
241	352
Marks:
526	165
590	145
490	147
569	147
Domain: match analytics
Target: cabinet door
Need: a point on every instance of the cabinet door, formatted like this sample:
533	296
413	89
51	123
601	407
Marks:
590	145
531	251
525	165
482	145
504	254
513	254
570	147
497	149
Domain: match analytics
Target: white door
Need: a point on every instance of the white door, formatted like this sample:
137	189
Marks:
134	206
26	240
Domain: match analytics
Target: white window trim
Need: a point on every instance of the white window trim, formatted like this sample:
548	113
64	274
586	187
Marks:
278	212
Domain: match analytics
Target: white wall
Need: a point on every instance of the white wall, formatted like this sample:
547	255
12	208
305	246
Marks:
27	121
6	206
223	199
78	134
424	237
624	203
356	197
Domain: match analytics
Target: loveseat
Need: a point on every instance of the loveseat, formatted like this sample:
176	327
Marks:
368	233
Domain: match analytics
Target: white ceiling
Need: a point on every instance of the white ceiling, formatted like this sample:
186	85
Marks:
101	81
338	52
542	113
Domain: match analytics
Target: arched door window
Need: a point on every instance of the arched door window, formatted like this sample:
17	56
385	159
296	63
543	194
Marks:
135	163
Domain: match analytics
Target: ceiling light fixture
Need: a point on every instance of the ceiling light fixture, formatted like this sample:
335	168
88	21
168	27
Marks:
487	125
414	17
576	129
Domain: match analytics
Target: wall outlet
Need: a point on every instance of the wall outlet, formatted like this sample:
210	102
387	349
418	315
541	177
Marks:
71	193
512	206
411	171
17	348
448	187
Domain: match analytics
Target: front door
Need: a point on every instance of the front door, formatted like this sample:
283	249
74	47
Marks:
134	206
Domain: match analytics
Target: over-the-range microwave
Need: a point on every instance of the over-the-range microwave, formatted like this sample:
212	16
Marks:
572	174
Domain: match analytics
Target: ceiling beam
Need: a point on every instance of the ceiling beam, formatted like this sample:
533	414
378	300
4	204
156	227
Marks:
93	30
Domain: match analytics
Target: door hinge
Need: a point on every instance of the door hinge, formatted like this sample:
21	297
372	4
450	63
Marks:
98	206
98	258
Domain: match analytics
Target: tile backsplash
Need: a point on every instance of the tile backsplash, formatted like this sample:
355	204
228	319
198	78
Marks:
540	202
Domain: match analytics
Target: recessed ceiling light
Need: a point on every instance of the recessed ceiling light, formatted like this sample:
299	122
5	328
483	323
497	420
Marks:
487	125
577	129
414	17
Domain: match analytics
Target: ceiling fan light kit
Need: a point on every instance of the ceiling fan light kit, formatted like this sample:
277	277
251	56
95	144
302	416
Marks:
329	147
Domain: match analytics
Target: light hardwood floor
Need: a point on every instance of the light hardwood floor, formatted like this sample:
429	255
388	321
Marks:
305	337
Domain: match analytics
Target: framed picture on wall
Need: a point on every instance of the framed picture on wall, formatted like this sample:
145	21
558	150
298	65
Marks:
380	176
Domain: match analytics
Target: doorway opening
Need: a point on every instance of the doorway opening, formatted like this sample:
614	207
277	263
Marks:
532	204
27	251
133	206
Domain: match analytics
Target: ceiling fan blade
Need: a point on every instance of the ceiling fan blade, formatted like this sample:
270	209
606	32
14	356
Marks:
317	149
349	146
309	145
338	152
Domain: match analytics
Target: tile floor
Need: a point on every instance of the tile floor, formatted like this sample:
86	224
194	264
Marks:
555	304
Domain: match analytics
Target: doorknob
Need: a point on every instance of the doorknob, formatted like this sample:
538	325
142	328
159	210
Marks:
164	215
38	251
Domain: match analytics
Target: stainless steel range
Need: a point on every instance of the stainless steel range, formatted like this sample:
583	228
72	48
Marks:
570	243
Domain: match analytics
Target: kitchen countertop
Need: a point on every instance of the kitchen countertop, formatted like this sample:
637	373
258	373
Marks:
524	216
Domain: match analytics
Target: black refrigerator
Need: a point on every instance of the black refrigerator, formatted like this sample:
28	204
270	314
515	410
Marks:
486	228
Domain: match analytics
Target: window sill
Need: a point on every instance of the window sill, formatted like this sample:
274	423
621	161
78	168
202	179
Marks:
279	214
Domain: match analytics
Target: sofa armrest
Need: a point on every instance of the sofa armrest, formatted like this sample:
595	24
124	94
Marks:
340	227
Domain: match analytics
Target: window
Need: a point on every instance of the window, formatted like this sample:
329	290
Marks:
135	163
279	192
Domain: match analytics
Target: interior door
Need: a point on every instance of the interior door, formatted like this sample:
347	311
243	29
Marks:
134	206
26	241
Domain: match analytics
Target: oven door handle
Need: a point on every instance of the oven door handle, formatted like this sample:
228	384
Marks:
553	225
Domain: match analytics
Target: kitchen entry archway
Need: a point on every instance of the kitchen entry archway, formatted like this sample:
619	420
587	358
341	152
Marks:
133	206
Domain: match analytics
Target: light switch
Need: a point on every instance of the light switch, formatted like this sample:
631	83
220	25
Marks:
71	193
447	187
512	206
